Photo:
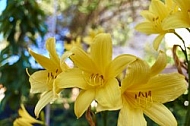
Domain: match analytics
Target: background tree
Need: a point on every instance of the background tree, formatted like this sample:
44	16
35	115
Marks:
21	23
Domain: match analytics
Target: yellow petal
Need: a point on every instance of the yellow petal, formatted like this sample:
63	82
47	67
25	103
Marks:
148	15
44	61
118	65
101	50
50	46
71	78
129	116
26	116
88	40
160	64
65	55
83	101
166	87
147	27
184	4
177	20
138	72
38	81
158	8
157	41
45	98
21	122
161	115
109	96
82	60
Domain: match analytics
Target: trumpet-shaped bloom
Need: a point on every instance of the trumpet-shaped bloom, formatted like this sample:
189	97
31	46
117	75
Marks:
181	19
153	24
144	90
25	118
43	81
96	75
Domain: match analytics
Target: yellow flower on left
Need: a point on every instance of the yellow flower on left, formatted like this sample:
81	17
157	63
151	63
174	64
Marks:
25	118
43	81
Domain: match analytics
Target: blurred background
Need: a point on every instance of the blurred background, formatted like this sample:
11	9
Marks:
28	23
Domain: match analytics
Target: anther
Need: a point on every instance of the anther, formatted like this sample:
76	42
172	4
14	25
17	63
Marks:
143	99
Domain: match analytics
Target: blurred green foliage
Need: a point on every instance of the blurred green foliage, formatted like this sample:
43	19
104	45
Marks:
20	23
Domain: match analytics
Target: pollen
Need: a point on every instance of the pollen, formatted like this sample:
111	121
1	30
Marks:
143	99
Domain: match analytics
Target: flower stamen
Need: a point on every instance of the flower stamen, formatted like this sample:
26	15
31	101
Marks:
94	79
143	99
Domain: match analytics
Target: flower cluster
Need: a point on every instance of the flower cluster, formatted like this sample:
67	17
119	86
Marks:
143	89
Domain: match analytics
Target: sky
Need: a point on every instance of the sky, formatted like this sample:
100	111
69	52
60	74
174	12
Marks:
2	5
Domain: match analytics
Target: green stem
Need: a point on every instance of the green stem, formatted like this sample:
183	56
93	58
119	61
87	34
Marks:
184	50
188	29
104	117
187	120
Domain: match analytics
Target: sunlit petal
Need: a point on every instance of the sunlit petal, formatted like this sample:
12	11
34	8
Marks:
82	60
148	15
101	50
50	46
109	96
118	65
129	116
184	4
83	101
160	64
166	87
147	27
38	81
44	61
161	115
71	78
157	41
136	69
177	20
45	98
65	56
158	8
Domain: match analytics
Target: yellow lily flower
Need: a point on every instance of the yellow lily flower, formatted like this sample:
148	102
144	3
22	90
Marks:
181	19
95	75
153	24
25	118
43	81
144	90
92	33
68	45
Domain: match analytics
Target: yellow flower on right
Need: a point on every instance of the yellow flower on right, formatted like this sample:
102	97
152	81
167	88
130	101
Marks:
155	16
145	89
181	19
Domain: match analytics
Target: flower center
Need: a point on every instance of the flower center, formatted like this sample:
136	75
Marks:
94	79
143	99
51	76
